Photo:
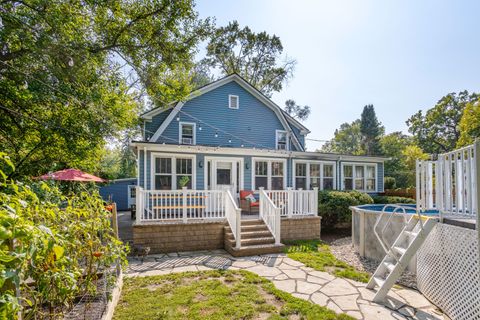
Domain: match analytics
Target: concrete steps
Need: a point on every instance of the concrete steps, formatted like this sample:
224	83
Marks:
255	239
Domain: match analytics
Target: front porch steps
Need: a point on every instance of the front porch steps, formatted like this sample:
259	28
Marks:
255	239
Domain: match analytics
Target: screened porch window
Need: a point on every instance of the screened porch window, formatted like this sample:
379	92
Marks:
269	174
172	173
314	174
360	177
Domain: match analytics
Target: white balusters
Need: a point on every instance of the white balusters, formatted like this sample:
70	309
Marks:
233	215
270	214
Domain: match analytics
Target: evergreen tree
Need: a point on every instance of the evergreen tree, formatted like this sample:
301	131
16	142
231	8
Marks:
371	130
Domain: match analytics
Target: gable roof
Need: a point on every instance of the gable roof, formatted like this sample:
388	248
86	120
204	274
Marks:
284	117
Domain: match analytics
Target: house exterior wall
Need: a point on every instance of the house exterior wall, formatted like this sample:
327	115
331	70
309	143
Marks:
117	191
253	121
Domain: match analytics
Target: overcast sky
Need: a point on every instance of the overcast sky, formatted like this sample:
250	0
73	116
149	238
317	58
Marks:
400	56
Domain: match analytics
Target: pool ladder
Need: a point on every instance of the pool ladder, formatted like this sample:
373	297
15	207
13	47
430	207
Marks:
403	249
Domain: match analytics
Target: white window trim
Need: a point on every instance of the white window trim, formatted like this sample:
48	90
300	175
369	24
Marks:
230	101
180	125
269	171
308	162
173	158
365	165
287	147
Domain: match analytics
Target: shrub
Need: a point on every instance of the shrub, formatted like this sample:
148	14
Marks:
390	183
392	200
362	198
333	206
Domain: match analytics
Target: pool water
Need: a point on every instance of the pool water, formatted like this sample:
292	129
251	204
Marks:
409	208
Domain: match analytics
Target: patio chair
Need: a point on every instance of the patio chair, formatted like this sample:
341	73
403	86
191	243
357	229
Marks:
247	197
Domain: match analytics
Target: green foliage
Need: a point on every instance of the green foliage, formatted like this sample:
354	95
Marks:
389	183
254	56
59	244
438	131
371	130
206	295
392	146
296	111
118	163
410	155
316	254
184	180
470	124
74	74
392	200
333	206
347	140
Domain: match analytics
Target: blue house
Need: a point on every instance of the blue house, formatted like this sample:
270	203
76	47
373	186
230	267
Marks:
229	135
228	153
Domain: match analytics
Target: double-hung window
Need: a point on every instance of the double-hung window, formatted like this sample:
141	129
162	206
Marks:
269	174
171	173
187	133
233	101
360	177
314	174
281	140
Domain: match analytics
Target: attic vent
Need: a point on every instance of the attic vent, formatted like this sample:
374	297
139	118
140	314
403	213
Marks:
233	102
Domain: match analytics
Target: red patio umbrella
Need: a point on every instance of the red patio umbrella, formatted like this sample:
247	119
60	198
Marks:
71	175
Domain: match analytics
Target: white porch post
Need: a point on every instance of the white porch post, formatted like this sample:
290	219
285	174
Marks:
139	204
476	150
145	168
315	201
184	204
277	226
289	202
238	225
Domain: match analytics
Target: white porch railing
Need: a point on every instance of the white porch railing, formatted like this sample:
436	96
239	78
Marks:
270	214
234	217
171	205
450	183
295	202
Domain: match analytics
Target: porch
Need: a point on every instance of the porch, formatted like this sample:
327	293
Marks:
172	220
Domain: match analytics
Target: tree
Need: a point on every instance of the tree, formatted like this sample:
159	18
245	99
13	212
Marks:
470	124
73	73
392	145
438	131
371	130
347	139
254	56
296	111
411	154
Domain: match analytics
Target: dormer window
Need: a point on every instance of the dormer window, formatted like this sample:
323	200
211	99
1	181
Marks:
233	101
187	133
281	140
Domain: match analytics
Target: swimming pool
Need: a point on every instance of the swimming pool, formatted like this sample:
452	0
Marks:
409	208
364	218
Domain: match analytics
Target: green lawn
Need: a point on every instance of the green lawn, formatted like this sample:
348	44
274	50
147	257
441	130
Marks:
317	255
212	295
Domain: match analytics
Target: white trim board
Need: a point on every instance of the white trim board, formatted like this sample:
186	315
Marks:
166	122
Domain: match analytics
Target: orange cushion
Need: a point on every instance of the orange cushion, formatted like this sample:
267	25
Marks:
245	193
254	204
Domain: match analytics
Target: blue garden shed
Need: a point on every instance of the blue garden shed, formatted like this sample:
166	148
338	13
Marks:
121	191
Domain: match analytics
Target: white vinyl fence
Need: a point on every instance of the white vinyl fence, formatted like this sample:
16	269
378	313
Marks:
270	214
295	202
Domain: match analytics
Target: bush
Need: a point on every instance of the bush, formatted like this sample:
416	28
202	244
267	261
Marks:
392	200
333	206
390	183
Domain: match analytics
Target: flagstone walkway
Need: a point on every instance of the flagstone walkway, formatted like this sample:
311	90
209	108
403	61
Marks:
337	294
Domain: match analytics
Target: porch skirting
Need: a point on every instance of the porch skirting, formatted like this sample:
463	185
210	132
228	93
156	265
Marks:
174	237
301	228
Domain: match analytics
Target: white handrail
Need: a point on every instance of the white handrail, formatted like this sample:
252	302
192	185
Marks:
270	214
295	202
233	215
381	238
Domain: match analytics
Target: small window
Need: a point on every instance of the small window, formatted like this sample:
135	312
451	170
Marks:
281	140
301	176
233	102
187	133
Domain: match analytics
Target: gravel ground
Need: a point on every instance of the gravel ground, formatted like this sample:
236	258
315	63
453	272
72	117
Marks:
342	249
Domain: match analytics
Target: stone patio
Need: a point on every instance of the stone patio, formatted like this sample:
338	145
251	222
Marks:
337	294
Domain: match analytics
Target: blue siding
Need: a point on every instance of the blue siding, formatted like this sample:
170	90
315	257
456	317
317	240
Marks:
117	191
253	121
152	126
300	137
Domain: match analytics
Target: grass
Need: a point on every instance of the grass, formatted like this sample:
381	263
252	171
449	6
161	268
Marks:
316	254
215	294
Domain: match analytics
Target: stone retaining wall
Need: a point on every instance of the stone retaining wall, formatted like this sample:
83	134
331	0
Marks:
304	228
179	237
